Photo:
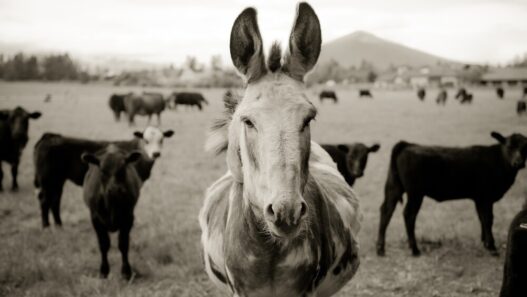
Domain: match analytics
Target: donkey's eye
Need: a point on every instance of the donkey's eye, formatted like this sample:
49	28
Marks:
248	123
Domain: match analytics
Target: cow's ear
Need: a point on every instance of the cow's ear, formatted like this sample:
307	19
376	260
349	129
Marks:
133	157
138	134
374	148
168	133
343	147
500	138
35	115
90	158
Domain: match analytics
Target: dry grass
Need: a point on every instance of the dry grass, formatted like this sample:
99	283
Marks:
165	245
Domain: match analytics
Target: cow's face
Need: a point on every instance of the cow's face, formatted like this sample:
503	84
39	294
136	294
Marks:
113	165
357	157
152	140
514	148
19	122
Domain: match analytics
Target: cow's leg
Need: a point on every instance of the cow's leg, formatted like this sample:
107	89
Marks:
1	177
44	206
159	119
149	118
131	119
410	215
104	245
392	194
486	218
124	242
14	175
55	204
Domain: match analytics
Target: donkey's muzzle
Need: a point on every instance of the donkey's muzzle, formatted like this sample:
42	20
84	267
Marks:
285	217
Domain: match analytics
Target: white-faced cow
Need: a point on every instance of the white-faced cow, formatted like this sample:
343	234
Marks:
351	159
480	173
58	158
14	127
111	189
282	221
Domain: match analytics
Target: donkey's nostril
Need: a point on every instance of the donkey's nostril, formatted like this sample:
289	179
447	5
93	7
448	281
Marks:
269	210
303	209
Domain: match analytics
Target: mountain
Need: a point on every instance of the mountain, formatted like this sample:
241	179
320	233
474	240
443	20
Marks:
352	49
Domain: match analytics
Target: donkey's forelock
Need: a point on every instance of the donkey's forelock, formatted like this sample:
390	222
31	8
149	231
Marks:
217	140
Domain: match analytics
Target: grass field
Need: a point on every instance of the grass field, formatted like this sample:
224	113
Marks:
165	247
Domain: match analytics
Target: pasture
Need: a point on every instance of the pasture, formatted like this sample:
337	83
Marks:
165	242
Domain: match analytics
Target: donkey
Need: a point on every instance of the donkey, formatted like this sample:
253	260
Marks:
282	221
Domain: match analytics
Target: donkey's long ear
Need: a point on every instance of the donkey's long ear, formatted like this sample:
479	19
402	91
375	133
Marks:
246	46
304	43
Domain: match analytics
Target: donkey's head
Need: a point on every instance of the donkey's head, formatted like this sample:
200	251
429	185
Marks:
268	128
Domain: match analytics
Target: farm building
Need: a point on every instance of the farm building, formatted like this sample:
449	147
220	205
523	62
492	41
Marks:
501	76
433	76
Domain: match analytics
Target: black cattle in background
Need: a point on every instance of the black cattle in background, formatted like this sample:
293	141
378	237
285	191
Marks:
116	103
460	93
421	94
524	92
328	95
515	269
442	97
111	189
14	127
480	173
351	159
58	158
145	104
186	98
521	107
365	93
500	92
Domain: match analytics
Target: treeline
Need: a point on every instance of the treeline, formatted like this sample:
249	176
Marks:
333	71
51	68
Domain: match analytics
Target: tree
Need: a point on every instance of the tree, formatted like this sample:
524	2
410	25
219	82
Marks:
216	63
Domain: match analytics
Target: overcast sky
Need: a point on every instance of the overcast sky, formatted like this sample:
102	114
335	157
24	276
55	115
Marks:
166	31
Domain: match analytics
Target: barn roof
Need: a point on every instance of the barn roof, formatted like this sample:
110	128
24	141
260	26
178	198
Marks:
506	74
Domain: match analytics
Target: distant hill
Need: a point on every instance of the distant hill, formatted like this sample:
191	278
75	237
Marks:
352	49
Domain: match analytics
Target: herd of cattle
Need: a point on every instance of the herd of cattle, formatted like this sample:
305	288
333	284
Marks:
462	96
148	104
112	173
283	220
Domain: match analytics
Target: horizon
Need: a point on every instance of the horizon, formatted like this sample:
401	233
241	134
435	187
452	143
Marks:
480	32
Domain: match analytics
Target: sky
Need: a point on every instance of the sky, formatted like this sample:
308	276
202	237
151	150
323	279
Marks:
166	31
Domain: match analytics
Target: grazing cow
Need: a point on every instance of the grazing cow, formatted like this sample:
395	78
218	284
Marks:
464	96
58	158
500	92
144	104
14	126
515	270
111	190
187	98
282	221
441	97
330	95
421	93
116	104
365	93
47	99
521	107
351	159
480	173
460	93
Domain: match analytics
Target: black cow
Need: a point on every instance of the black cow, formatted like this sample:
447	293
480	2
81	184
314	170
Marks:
521	107
329	95
515	270
421	94
116	104
500	92
145	104
351	159
186	98
58	158
481	173
441	97
524	92
111	189
464	96
365	93
14	126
